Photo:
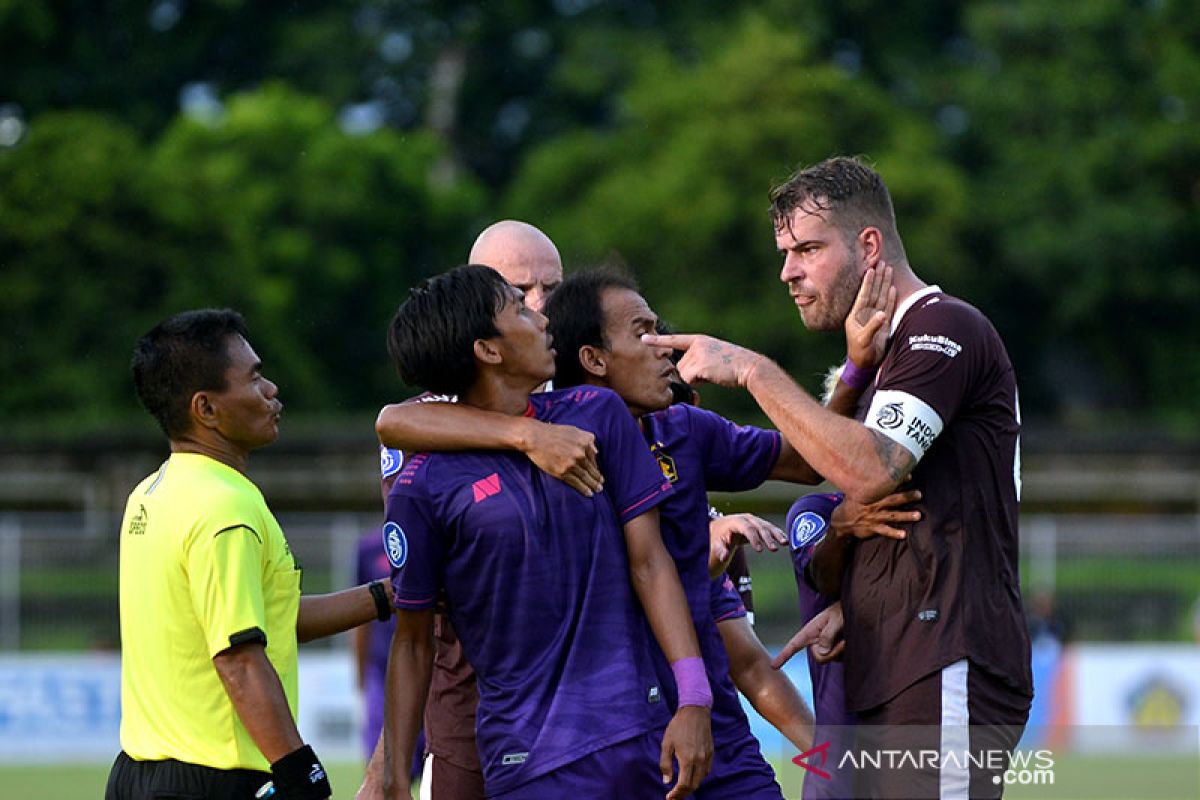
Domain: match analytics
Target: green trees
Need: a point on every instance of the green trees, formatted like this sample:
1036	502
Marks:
1085	137
315	235
678	186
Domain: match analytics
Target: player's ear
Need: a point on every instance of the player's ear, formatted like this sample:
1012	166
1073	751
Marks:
870	244
486	352
203	411
592	359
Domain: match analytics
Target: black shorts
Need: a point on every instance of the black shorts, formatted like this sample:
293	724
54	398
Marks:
178	780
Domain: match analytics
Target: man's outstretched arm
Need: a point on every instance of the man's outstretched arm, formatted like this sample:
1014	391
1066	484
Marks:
770	691
863	463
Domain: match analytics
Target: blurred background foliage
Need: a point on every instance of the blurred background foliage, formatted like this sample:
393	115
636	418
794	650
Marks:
307	162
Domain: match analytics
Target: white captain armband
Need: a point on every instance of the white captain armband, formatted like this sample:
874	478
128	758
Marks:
905	419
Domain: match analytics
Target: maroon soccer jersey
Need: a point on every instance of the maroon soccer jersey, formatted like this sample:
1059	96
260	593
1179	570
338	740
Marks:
950	590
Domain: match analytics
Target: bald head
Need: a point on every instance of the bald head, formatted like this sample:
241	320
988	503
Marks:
523	255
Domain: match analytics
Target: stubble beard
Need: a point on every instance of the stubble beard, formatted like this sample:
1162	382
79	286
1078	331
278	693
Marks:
830	311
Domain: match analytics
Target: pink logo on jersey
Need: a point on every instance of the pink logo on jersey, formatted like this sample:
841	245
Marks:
486	487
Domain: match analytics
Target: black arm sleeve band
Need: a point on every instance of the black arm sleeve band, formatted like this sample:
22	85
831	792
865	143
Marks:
248	635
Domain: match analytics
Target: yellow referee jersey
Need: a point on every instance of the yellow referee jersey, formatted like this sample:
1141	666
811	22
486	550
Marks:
204	565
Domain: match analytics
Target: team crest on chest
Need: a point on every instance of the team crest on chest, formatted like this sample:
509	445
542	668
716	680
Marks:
665	462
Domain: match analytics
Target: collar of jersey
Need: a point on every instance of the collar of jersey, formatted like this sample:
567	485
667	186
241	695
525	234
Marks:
908	303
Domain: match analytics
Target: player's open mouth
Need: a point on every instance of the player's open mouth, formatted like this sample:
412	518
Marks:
804	299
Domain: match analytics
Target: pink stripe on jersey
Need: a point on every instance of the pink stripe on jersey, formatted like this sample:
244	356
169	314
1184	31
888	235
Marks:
418	604
626	515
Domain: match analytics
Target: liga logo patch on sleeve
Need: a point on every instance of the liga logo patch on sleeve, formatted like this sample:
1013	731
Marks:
396	544
905	419
390	461
805	528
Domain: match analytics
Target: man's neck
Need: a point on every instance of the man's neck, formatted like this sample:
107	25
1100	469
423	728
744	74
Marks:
906	282
496	394
217	449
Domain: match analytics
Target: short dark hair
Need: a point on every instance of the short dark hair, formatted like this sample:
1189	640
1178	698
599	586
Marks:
431	338
577	319
182	355
853	193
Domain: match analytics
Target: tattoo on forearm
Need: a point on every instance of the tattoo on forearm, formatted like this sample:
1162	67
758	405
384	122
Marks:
894	457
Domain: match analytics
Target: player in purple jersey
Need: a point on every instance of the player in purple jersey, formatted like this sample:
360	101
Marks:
810	521
598	318
770	692
541	584
529	260
935	632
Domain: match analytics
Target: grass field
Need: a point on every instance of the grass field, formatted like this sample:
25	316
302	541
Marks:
1074	778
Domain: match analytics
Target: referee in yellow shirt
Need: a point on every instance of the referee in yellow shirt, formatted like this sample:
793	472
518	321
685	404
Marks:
211	611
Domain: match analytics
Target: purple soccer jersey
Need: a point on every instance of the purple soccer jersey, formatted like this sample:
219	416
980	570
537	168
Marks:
536	581
699	451
807	524
726	601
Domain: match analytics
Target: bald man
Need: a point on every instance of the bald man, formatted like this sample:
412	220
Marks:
523	255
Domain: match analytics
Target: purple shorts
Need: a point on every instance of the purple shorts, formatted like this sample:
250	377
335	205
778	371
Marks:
626	770
739	770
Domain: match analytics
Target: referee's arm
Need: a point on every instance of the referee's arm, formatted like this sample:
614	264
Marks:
326	614
253	687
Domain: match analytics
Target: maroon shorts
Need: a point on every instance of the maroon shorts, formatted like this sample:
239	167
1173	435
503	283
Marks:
449	781
949	735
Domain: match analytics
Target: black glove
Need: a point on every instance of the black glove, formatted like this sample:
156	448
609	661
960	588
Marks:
300	776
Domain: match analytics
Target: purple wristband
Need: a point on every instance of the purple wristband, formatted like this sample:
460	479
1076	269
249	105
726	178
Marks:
855	377
691	681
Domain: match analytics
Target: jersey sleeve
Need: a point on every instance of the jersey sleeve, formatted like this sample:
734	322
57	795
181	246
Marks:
415	541
391	461
736	457
725	601
225	565
739	573
928	374
632	476
807	524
